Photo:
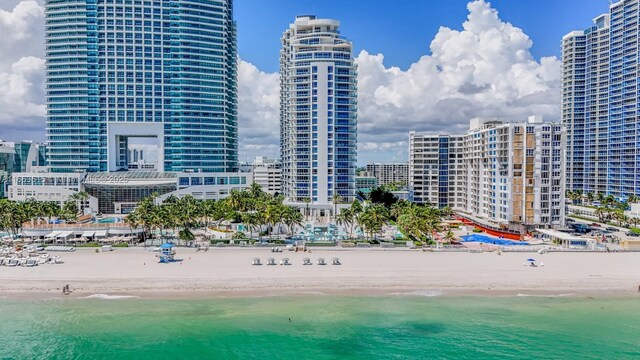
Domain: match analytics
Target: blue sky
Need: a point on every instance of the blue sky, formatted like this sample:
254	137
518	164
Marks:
403	29
491	56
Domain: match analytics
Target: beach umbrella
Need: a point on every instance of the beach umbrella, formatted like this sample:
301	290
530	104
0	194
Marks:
531	259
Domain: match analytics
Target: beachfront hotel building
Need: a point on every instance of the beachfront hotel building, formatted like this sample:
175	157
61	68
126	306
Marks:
117	70
508	176
318	124
434	166
389	173
600	103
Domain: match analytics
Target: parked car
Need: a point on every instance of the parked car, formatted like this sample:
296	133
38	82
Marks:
632	234
611	228
570	220
596	224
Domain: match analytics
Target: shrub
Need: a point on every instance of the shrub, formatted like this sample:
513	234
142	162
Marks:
239	235
476	230
121	245
88	245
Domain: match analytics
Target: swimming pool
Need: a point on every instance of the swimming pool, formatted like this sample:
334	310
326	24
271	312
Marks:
491	240
110	220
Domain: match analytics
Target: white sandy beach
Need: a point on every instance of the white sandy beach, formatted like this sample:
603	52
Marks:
228	272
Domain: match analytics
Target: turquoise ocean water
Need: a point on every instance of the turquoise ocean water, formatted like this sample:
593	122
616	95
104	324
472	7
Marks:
322	327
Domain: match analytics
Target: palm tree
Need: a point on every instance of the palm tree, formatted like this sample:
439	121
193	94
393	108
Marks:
600	213
50	209
291	217
373	218
590	197
306	201
252	221
449	236
345	218
619	217
208	209
186	213
272	215
132	220
80	198
336	199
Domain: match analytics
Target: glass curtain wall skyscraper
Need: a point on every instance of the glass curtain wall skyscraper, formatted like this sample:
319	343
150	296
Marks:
318	109
122	69
600	103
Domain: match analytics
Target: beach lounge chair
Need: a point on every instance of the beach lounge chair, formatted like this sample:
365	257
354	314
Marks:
306	261
285	261
321	261
44	258
271	261
336	261
256	261
13	262
30	262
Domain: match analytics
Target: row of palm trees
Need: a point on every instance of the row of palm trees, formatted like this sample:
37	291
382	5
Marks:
257	210
416	222
13	215
606	215
609	209
608	201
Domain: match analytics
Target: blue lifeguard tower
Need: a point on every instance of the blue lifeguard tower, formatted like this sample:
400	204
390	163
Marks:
167	253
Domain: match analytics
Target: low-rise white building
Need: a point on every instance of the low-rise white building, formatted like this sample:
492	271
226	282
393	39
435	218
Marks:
268	174
120	192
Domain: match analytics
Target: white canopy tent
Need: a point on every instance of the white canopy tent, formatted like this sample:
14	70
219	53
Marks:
52	235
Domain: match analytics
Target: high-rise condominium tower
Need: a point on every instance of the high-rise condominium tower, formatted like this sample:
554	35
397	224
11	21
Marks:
600	103
122	69
318	98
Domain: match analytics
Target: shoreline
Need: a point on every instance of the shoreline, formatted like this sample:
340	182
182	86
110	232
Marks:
228	273
200	294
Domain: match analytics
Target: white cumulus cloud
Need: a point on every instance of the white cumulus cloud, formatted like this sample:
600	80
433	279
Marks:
22	71
486	69
258	112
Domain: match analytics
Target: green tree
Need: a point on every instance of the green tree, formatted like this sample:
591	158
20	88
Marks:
336	199
373	217
291	218
346	219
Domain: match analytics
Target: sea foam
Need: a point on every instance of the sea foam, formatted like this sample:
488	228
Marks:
425	293
544	295
109	297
